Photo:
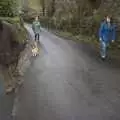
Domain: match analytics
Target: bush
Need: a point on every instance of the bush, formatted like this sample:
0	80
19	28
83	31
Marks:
8	8
45	21
89	25
11	20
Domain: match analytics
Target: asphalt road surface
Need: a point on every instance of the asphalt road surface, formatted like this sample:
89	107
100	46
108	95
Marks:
68	81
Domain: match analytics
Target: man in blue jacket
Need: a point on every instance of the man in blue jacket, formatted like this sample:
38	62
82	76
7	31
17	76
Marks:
107	34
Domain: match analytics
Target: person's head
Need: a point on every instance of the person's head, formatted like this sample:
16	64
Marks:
108	19
36	18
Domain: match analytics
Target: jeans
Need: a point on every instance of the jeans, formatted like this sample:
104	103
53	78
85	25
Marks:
103	49
37	36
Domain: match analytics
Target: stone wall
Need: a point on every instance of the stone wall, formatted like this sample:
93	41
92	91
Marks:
13	76
13	36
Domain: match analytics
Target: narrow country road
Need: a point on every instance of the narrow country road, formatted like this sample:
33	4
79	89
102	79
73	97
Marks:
66	83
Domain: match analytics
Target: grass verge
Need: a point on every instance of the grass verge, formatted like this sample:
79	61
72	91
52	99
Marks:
114	48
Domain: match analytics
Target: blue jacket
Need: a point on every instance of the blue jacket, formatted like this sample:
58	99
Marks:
107	33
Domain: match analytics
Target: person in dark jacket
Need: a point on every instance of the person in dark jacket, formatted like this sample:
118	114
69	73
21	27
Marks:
107	34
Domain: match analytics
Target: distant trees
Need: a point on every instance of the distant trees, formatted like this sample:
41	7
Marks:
42	2
48	6
52	8
79	16
73	15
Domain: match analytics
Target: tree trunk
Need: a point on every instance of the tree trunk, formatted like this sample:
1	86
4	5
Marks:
43	7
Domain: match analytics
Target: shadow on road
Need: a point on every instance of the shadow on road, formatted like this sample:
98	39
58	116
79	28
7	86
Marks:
93	53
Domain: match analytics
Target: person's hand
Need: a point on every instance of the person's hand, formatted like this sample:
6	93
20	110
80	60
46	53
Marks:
100	39
112	41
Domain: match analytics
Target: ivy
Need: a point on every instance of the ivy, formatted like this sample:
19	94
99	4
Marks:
8	8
